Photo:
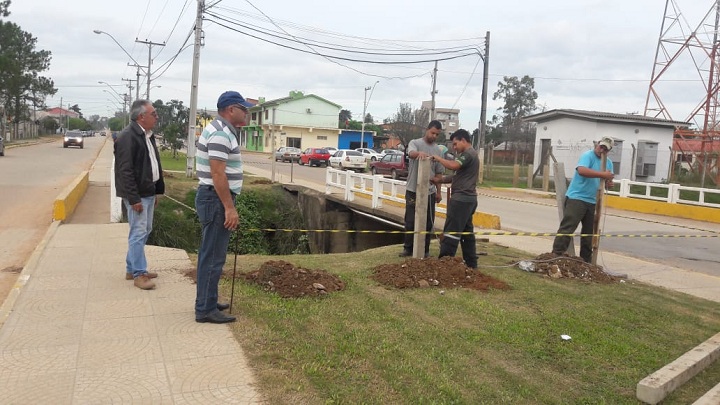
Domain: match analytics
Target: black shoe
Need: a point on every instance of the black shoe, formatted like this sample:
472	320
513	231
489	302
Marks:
216	317
222	307
405	253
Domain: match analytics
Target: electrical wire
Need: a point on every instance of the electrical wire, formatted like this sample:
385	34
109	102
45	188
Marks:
466	83
158	18
177	21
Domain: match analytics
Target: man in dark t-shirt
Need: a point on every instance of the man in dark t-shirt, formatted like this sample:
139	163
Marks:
463	199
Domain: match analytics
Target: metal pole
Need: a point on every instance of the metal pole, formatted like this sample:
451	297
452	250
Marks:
434	83
362	127
150	44
192	117
272	137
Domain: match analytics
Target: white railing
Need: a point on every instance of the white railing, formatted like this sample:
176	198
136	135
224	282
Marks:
673	193
377	187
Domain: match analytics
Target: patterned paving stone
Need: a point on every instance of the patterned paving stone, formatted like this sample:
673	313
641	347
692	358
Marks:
49	281
228	373
38	360
206	343
131	351
28	335
233	395
118	328
112	309
126	384
51	388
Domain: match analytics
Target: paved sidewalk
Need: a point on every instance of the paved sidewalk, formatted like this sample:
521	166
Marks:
76	332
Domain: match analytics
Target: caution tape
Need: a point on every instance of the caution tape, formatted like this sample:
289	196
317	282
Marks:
481	233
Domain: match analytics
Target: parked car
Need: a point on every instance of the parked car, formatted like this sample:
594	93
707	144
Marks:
73	138
331	150
394	164
348	159
2	146
386	151
369	154
287	154
314	157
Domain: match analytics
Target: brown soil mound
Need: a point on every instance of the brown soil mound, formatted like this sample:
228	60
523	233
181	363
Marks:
447	272
555	266
293	282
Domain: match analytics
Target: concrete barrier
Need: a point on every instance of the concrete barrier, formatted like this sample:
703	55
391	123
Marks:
70	197
687	211
655	387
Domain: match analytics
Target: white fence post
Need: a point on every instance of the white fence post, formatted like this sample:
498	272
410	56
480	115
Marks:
376	191
624	187
674	193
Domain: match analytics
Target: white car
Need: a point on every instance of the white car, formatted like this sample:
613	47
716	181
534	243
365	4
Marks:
331	149
348	159
369	154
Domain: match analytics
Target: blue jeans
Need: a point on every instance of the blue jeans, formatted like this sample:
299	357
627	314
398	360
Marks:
140	228
213	249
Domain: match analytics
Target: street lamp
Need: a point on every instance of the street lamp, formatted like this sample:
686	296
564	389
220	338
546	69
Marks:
366	101
121	47
122	97
152	87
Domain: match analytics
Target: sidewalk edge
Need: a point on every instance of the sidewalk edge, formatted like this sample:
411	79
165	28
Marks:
26	272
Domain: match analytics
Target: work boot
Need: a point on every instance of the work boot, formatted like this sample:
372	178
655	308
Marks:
150	274
405	253
143	282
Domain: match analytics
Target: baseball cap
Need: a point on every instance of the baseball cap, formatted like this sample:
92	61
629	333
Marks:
232	97
607	142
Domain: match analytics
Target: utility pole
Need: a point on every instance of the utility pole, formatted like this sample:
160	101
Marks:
137	79
150	45
192	117
434	92
366	100
482	126
129	85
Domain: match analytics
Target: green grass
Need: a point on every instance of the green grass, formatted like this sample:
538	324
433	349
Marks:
371	344
374	345
169	162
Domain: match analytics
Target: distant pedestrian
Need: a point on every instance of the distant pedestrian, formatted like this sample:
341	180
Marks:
463	199
581	198
139	182
220	171
420	149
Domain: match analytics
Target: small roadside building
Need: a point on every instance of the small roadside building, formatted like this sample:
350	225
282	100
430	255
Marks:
643	145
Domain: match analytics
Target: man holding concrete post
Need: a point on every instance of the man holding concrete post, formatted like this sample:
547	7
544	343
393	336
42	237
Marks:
581	197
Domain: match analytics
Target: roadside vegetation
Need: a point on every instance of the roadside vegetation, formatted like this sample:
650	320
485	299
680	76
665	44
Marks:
372	344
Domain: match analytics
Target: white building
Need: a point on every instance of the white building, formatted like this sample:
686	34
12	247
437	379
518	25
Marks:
643	145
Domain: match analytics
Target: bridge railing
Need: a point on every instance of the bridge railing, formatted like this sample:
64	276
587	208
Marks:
376	187
670	193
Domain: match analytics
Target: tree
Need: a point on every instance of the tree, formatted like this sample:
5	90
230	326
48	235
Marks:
116	123
405	125
20	63
76	108
519	96
173	122
344	118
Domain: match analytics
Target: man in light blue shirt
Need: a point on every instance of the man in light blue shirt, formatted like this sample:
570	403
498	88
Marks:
581	198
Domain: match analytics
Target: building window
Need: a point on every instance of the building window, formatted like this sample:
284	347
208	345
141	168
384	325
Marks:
322	138
266	113
254	116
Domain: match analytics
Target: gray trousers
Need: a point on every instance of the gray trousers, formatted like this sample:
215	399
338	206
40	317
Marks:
576	212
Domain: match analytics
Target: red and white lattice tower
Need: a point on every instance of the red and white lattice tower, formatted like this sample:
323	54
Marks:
687	64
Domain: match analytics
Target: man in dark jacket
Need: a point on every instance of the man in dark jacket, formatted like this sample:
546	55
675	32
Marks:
138	180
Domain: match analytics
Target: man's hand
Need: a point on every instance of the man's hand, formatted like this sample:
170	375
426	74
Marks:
231	219
609	184
157	199
438	197
137	207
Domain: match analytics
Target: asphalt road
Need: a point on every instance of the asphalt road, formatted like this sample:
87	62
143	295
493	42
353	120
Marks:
31	177
521	213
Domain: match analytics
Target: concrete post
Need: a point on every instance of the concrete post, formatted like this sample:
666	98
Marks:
421	205
560	191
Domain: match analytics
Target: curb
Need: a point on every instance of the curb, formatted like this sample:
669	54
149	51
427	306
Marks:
26	272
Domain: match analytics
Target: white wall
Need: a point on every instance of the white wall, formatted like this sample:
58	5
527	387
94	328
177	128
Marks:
570	137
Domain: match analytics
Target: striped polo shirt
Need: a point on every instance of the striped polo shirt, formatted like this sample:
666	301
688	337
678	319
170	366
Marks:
219	140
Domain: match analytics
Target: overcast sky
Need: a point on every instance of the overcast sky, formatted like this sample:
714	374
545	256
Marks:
583	54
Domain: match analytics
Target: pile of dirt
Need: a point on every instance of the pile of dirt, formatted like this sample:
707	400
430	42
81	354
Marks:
289	281
554	266
447	272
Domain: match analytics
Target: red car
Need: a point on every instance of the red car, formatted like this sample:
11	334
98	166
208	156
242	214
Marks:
394	164
314	157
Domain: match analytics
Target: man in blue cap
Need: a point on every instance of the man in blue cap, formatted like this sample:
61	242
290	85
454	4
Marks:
220	172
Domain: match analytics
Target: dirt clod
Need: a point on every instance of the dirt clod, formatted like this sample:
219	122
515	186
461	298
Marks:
289	281
447	272
554	266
